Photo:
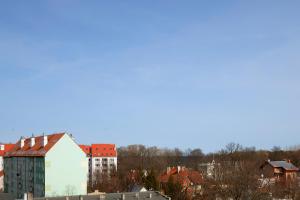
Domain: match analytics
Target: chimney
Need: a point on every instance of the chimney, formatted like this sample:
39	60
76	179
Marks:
137	195
2	147
123	196
44	140
178	169
22	142
168	169
71	136
32	141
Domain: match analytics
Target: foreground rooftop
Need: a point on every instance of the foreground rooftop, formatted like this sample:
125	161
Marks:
149	195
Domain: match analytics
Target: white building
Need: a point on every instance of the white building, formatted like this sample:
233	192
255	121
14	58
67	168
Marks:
3	149
46	166
102	158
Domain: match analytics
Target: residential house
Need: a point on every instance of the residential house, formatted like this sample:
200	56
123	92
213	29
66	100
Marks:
189	179
210	169
278	170
102	158
47	165
3	149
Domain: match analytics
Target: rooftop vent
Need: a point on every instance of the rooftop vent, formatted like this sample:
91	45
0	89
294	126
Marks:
137	195
32	141
150	195
44	140
22	142
168	169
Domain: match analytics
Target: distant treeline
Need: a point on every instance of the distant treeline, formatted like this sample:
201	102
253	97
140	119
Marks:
237	177
140	156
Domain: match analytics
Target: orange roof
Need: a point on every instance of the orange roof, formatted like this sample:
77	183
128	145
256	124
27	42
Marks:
100	150
37	149
184	176
7	147
104	150
86	149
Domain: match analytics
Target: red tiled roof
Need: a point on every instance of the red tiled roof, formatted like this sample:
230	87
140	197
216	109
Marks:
195	177
104	150
86	149
37	149
7	147
184	176
100	150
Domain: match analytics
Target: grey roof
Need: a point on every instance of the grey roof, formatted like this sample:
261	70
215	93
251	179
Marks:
283	164
5	196
137	188
115	196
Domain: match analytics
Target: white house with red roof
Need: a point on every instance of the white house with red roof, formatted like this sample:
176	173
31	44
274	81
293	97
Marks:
3	149
102	158
47	165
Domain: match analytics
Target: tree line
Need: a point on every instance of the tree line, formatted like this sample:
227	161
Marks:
237	178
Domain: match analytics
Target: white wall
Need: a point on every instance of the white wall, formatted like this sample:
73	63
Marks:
1	163
66	169
97	163
1	177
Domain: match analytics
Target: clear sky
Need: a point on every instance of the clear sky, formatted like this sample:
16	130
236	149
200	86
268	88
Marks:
169	73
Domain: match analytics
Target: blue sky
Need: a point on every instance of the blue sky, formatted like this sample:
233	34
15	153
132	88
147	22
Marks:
188	74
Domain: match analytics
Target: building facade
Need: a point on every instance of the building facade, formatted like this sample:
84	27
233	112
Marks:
45	166
102	159
3	149
279	171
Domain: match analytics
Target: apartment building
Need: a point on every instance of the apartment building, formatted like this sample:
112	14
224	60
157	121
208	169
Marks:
102	158
3	149
47	165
